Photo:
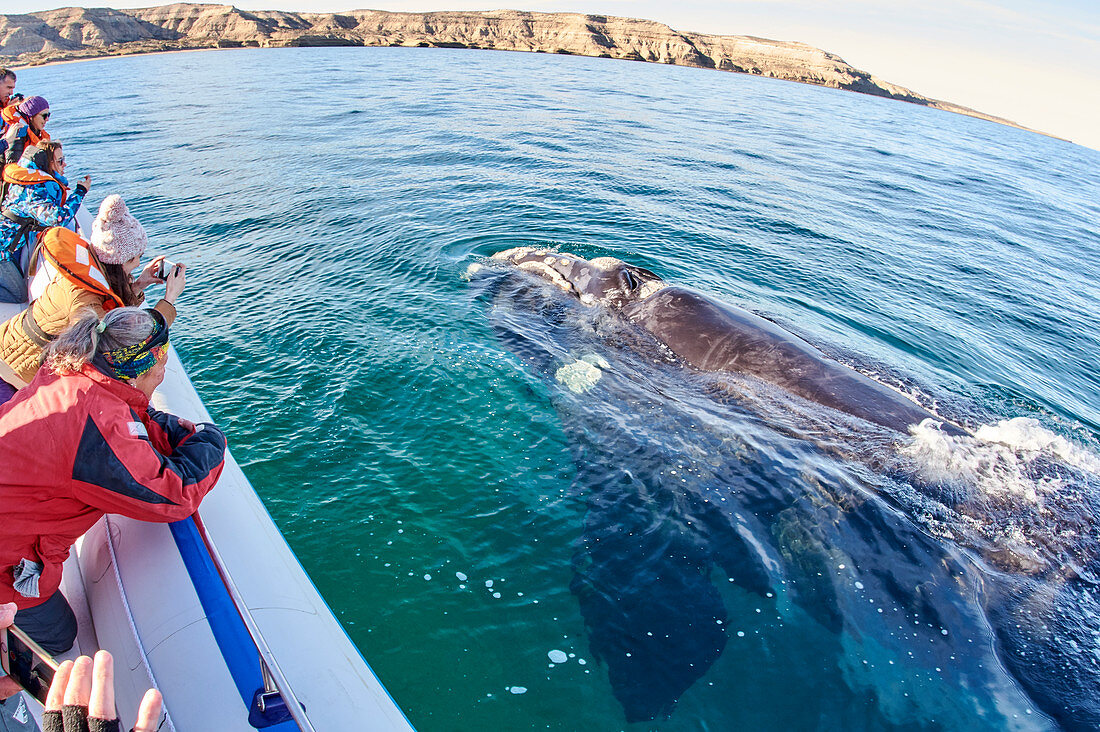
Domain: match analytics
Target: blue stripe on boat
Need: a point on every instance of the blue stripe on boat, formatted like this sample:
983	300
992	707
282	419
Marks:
236	645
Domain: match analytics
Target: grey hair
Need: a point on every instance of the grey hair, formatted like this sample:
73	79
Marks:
83	339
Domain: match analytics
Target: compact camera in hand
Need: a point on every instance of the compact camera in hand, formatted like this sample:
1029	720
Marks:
166	269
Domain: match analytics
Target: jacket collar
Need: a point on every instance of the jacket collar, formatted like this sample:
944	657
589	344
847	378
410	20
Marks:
129	394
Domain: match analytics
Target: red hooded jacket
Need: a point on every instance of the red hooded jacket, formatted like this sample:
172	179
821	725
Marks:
76	446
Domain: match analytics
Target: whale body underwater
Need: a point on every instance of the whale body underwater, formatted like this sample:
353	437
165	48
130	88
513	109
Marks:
680	488
712	336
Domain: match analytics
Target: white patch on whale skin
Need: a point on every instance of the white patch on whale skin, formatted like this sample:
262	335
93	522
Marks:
546	272
516	253
605	263
648	289
583	374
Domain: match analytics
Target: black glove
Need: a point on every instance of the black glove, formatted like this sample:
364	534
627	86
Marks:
73	718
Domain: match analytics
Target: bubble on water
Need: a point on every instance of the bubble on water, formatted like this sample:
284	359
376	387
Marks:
496	595
461	576
859	585
518	689
428	577
488	583
557	656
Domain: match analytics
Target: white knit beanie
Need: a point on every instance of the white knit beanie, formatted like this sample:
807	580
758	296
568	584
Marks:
117	236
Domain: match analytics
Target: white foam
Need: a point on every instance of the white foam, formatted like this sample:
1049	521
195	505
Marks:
557	656
996	460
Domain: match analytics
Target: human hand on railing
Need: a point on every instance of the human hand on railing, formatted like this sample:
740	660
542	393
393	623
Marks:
84	691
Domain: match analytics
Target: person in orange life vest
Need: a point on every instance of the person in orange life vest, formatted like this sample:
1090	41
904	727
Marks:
74	274
37	197
81	441
28	119
7	87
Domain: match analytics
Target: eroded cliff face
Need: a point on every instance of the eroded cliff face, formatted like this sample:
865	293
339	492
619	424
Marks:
71	33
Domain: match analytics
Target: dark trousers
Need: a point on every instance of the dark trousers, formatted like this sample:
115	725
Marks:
51	625
13	285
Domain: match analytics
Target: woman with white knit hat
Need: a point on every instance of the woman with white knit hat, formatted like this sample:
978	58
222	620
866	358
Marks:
74	275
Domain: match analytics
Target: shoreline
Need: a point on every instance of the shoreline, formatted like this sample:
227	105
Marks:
60	62
196	27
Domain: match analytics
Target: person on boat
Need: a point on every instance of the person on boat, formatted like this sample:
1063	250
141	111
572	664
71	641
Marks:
7	86
86	686
7	90
37	197
29	119
82	441
80	274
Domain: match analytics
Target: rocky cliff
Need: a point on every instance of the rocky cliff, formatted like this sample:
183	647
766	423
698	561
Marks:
73	33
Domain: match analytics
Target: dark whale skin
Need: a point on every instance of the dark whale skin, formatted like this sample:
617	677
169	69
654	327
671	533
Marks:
712	336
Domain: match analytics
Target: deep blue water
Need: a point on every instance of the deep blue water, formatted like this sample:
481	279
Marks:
466	513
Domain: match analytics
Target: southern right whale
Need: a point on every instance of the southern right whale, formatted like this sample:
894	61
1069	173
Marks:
681	489
713	336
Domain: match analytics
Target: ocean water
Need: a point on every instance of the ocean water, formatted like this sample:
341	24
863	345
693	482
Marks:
527	518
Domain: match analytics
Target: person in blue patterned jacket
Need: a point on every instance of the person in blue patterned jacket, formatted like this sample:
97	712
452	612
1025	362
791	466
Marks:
37	197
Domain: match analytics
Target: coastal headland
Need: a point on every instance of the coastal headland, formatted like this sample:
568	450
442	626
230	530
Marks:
70	34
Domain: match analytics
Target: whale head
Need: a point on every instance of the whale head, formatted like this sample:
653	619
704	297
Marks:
604	281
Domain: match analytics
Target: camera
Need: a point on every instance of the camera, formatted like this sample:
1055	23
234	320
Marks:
166	268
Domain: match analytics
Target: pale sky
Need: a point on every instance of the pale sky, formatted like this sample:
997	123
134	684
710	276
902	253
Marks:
1036	62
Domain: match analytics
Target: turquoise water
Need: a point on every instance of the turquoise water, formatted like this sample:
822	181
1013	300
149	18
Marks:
406	429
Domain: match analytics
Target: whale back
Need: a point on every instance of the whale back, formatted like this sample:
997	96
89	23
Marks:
713	336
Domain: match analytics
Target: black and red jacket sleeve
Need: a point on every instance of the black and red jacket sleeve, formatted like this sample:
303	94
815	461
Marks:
152	469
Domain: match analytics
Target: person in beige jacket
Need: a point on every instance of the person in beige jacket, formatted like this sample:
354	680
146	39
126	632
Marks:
96	275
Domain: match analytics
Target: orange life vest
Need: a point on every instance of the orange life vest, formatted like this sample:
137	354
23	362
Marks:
74	260
17	174
11	115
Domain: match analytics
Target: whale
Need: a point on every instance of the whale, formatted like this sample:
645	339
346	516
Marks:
713	336
706	514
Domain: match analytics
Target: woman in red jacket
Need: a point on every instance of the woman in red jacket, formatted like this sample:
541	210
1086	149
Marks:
81	441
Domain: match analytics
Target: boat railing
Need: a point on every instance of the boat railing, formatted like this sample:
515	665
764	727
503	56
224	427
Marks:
276	694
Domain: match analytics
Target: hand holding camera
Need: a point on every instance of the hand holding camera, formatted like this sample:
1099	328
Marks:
165	269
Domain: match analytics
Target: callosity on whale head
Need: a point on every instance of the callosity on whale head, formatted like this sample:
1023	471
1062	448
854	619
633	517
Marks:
602	281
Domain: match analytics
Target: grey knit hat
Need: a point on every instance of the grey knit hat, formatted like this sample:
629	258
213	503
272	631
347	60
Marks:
117	236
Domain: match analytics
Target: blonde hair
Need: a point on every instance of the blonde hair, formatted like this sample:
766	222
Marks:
88	335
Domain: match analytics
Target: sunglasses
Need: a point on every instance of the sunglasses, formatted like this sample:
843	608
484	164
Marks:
45	116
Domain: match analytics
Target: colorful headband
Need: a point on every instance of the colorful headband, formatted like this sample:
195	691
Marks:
130	362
